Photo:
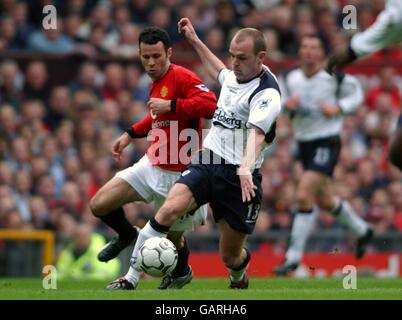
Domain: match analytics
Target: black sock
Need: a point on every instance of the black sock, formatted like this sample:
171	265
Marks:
118	222
245	261
158	227
182	266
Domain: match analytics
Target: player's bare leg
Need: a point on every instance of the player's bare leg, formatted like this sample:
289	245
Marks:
234	255
107	205
345	214
179	201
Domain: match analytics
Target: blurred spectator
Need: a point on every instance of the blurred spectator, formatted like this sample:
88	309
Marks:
380	213
387	84
78	261
86	79
214	40
6	175
110	117
126	44
139	10
65	139
39	213
23	29
50	152
283	26
7	34
72	167
271	37
59	107
71	199
8	122
138	90
99	18
9	87
72	27
51	40
114	79
45	188
31	126
20	155
36	85
395	194
23	185
226	18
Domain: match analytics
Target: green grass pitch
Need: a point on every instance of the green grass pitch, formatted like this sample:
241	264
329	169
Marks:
207	288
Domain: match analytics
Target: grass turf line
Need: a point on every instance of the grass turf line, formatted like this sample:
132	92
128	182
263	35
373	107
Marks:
207	288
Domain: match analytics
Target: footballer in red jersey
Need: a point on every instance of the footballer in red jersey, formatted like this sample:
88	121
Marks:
188	100
178	102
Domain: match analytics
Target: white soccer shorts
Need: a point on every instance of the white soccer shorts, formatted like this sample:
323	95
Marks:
153	184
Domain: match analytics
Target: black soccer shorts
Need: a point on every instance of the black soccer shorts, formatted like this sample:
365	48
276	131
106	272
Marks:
219	185
320	155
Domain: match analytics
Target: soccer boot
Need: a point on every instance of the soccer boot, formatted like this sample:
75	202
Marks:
242	284
112	249
120	284
285	268
362	242
170	282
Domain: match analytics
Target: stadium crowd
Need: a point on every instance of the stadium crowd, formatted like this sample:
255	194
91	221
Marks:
55	141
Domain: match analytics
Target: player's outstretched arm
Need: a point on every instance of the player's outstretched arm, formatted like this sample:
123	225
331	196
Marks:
211	62
254	145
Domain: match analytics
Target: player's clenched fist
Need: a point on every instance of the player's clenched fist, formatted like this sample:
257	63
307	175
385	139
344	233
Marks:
159	106
186	27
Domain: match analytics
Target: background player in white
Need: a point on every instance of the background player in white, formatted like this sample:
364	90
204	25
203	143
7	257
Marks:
385	32
316	103
249	103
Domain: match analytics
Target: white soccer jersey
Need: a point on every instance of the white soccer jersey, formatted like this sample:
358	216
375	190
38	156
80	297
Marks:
308	121
386	31
256	102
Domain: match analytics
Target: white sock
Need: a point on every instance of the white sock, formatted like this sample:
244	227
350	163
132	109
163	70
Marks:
301	229
349	218
133	276
134	273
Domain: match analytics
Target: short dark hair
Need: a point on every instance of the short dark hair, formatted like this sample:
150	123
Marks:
257	37
319	38
152	35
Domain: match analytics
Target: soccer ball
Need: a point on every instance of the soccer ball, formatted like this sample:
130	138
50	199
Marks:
157	256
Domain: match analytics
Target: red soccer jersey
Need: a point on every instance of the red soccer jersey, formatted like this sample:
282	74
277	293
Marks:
169	147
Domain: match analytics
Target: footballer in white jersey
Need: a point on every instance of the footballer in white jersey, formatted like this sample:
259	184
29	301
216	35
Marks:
316	103
249	101
308	122
255	102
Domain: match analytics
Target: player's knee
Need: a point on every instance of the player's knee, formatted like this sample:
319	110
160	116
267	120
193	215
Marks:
96	205
304	200
326	203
